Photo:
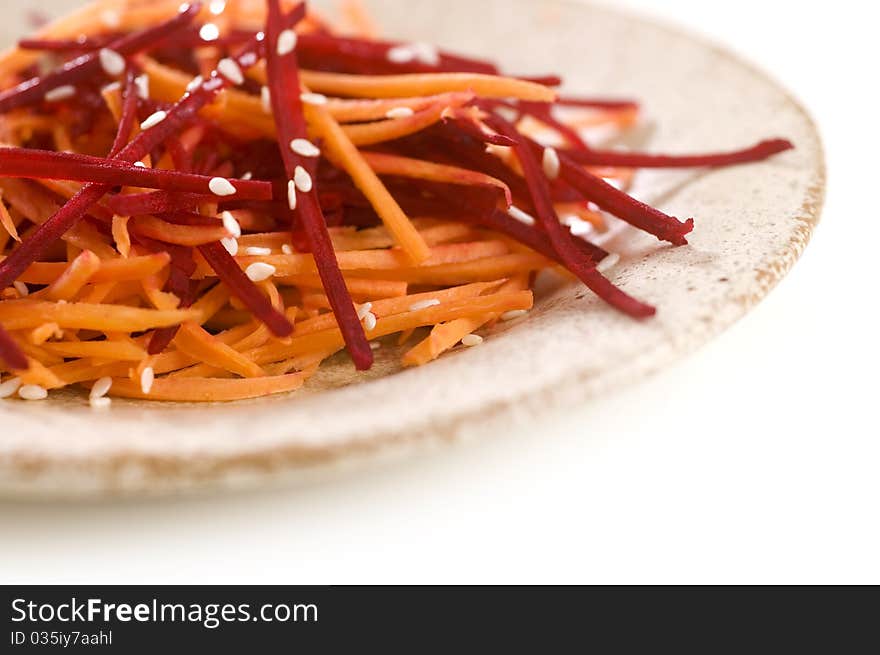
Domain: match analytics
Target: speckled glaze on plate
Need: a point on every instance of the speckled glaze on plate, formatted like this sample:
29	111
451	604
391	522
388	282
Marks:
752	222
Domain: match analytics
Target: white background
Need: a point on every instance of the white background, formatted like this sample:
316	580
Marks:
755	460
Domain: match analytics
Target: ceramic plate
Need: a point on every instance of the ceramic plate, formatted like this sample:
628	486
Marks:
752	222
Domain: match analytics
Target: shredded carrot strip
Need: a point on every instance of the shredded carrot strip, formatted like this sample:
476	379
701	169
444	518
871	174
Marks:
74	277
196	342
204	390
21	314
6	221
407	86
341	150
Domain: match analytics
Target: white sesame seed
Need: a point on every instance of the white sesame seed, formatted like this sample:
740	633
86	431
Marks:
401	54
220	186
255	251
248	59
230	70
139	164
471	340
375	345
513	314
578	226
101	387
286	249
286	42
423	304
302	179
21	287
259	271
9	387
217	7
231	224
100	403
305	148
291	194
153	119
426	53
142	82
363	310
609	262
515	212
247	176
195	83
266	99
213	84
369	321
313	98
60	93
507	113
32	392
550	163
399	112
111	61
110	18
209	32
230	244
148	376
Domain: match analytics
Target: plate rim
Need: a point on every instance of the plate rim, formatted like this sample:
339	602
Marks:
279	464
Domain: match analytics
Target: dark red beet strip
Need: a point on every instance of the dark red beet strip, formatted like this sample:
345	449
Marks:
618	203
10	352
758	152
46	164
129	112
560	238
283	75
88	65
181	269
153	202
527	235
64	45
317	50
241	286
543	112
596	103
473	130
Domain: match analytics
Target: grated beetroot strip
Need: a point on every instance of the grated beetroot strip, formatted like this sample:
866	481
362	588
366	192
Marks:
473	130
152	202
283	75
560	238
543	112
620	204
529	236
64	45
47	164
595	103
87	66
180	270
758	152
230	274
11	353
371	57
129	112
